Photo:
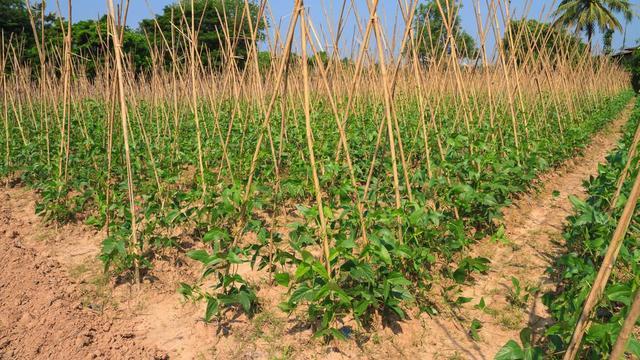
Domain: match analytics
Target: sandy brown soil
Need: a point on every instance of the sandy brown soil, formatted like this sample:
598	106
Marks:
42	314
56	303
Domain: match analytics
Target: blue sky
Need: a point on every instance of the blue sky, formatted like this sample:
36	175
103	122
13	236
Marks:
324	14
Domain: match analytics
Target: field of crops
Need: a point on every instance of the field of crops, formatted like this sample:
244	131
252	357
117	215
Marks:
355	188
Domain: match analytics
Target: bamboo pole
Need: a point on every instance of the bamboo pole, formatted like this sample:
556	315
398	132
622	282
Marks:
125	133
309	136
625	171
627	328
604	272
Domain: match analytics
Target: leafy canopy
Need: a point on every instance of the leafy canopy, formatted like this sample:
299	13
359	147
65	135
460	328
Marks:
15	24
634	66
530	40
587	15
214	21
431	31
14	18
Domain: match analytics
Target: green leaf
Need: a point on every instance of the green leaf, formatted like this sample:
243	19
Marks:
383	253
347	244
396	278
361	307
328	214
244	300
476	325
199	255
397	310
620	293
576	202
302	269
320	270
463	300
186	290
212	308
525	337
633	346
286	307
362	273
233	258
302	292
282	279
331	333
460	275
510	351
215	235
171	217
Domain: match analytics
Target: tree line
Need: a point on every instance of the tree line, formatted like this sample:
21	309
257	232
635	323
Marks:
222	24
217	20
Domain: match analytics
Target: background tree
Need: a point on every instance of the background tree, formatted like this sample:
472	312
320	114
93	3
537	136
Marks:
16	25
264	61
324	58
588	15
607	41
431	32
635	70
210	18
14	18
632	64
90	42
534	38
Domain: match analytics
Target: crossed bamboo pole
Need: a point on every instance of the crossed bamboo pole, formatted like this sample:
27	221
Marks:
604	272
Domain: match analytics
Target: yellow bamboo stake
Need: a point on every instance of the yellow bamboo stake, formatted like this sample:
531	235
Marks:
125	133
309	134
627	328
604	272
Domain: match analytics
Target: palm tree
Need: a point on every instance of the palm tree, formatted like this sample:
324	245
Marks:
587	15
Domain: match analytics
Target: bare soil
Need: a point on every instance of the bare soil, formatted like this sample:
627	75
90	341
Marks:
42	314
55	303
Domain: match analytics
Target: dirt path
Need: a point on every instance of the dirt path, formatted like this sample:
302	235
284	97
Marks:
55	302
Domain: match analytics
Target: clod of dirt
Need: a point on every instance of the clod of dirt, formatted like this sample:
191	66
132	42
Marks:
40	318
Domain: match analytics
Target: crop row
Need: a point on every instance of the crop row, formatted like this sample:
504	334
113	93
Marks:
381	257
588	236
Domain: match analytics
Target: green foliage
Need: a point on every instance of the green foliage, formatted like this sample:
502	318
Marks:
90	41
388	274
265	61
361	281
532	40
14	18
468	266
16	25
634	67
212	18
607	41
322	56
474	330
589	15
90	38
519	296
229	288
513	351
587	236
431	31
